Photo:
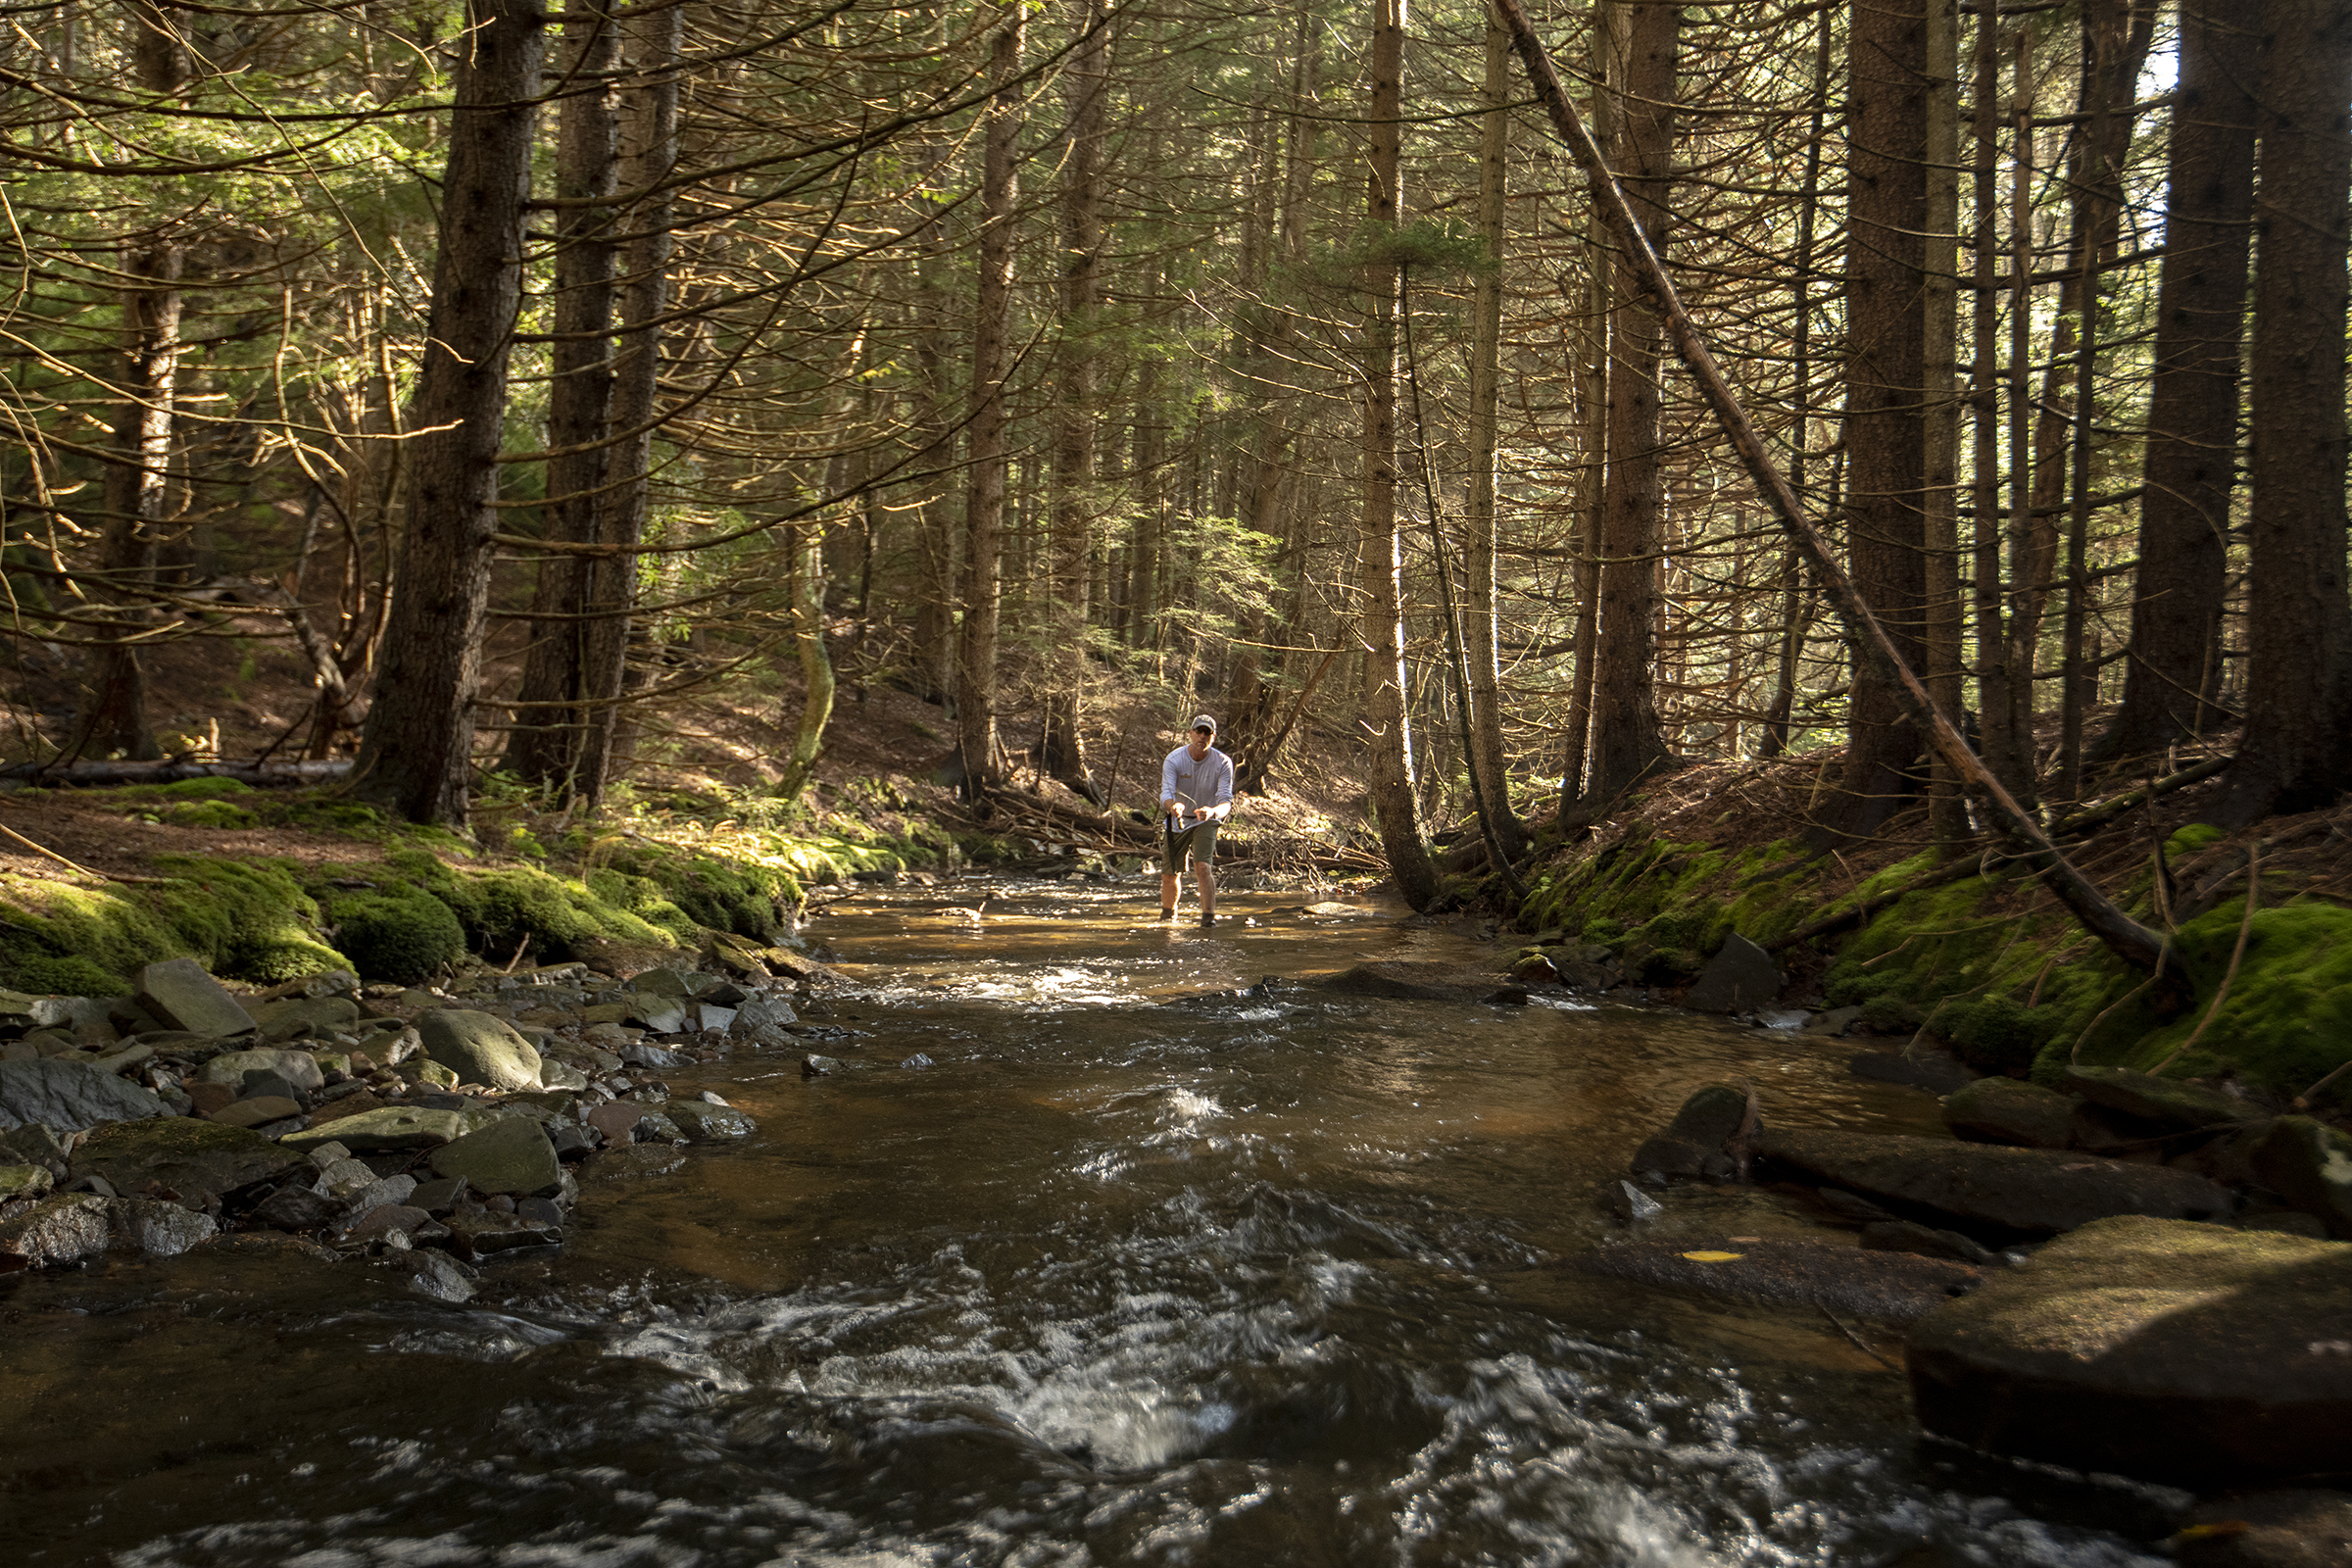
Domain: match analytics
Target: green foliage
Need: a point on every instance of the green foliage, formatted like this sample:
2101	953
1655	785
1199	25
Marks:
1994	1034
2188	840
208	814
400	933
2286	1022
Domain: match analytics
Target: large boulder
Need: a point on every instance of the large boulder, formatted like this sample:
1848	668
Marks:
479	1048
56	1231
511	1155
181	1154
68	1096
1892	1287
299	1068
1741	977
382	1131
2309	1164
762	1020
2008	1110
157	1227
2153	1347
2030	1191
180	995
2165	1101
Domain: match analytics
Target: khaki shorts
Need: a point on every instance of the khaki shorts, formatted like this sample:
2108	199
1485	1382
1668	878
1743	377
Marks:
1196	843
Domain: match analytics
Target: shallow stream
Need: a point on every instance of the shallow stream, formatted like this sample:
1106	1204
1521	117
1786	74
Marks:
1118	1277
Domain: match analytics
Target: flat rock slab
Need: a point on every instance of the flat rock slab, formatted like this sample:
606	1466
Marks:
383	1131
2025	1191
1889	1287
183	1154
68	1096
479	1233
1407	981
2166	1102
56	1231
299	1068
512	1154
316	1016
481	1047
182	996
2153	1347
2008	1110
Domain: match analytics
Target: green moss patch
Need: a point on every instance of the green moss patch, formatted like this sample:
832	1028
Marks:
2286	1022
401	932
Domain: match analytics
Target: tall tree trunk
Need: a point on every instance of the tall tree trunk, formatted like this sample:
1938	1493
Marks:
1948	810
1885	428
1486	758
416	754
1993	702
985	487
1085	79
2297	750
137	489
1386	732
650	47
548	720
2190	466
1628	741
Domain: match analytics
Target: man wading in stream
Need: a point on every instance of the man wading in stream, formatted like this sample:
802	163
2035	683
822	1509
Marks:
1196	794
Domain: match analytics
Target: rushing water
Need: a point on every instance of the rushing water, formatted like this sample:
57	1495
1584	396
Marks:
1118	1277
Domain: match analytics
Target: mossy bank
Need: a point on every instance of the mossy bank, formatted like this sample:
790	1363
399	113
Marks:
1969	950
278	884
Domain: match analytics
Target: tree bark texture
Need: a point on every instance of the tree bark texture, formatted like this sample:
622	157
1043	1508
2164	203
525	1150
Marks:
985	450
2299	642
1885	374
1628	741
1388	734
2173	667
417	752
548	719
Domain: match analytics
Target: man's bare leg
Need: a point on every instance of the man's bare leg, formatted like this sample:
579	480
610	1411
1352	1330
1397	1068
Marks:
1207	881
1169	888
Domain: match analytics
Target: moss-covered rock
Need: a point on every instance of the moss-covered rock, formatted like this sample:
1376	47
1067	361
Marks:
2286	1022
1995	1034
399	933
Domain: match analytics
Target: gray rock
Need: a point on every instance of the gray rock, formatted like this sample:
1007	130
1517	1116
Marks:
2108	1346
665	983
2007	1110
438	1197
1740	975
183	1154
57	1231
383	1192
157	1227
68	1096
1891	1287
384	1132
180	995
299	1068
761	1021
257	1113
1698	1141
1934	1071
482	1232
509	1156
1632	1204
662	1015
2016	1191
1836	1021
2309	1164
655	1128
315	1017
23	1181
917	1063
2166	1102
705	1123
2297	1529
709	1015
818	1066
35	1144
479	1048
571	1141
616	1120
561	1075
295	1206
382	1221
433	1274
639	1054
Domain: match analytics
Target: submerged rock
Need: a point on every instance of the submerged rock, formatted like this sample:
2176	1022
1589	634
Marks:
1891	1287
2299	1529
1698	1141
434	1274
1932	1070
2020	1191
2008	1111
480	1233
705	1123
2153	1347
1405	980
69	1096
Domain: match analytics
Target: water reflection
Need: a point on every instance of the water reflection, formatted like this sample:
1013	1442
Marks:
1123	1278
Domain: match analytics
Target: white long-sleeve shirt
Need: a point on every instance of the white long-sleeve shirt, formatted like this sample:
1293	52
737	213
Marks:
1190	782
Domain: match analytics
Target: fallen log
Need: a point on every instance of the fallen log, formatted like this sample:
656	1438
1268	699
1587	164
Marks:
171	771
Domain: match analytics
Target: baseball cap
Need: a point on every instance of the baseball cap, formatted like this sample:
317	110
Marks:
1203	721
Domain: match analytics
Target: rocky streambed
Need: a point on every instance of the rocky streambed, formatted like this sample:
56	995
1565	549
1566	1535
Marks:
422	1129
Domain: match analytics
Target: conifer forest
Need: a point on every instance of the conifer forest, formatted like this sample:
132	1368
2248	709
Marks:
1548	394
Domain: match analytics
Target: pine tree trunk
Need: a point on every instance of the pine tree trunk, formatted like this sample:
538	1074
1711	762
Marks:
2190	466
416	754
1386	731
1948	810
548	720
985	488
1627	742
2294	757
